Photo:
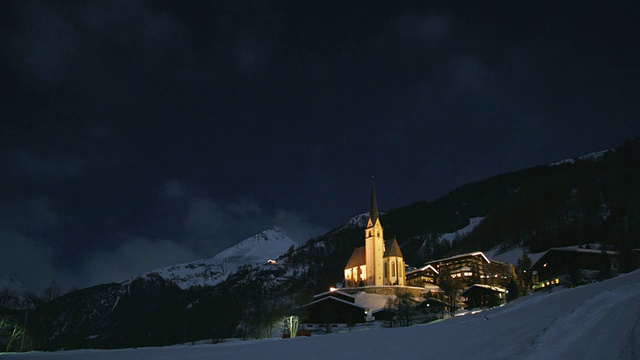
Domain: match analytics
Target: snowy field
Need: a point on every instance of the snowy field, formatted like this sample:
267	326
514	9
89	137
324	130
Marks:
597	321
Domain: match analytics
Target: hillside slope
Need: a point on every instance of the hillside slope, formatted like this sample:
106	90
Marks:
579	323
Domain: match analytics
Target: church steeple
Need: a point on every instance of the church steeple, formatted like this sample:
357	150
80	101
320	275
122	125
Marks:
373	210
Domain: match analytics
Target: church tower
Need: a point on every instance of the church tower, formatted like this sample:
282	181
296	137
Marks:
374	244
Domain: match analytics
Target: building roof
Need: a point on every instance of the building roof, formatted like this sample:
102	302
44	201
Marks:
393	249
426	267
573	249
476	287
331	298
357	258
477	253
335	293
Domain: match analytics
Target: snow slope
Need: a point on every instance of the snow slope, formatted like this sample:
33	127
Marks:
359	220
511	256
256	250
597	321
473	223
591	156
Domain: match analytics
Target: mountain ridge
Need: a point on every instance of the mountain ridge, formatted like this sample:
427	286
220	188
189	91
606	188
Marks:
540	207
254	250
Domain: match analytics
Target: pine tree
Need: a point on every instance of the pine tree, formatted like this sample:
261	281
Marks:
523	270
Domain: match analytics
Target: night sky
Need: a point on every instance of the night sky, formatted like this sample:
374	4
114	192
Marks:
135	135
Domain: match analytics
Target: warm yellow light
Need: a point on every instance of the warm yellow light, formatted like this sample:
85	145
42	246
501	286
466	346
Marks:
333	289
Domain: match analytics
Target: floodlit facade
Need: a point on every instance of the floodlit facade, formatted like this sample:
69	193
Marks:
375	263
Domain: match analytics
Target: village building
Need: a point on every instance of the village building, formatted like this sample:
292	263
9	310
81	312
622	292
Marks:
480	295
424	276
573	265
375	278
333	307
470	268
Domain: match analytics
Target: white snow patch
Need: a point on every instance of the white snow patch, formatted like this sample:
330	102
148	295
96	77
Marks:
372	302
256	250
591	156
473	223
511	256
359	220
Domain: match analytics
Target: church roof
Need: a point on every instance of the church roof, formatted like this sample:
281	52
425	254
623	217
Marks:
393	249
357	258
373	210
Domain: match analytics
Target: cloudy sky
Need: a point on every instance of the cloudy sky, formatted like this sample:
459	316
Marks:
135	134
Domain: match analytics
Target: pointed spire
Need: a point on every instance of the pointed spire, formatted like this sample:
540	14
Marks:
373	211
393	249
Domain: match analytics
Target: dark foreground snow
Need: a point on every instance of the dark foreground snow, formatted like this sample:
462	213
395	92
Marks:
597	321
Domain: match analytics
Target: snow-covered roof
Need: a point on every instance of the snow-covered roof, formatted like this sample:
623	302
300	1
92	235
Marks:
423	269
488	287
372	301
333	292
575	249
476	253
336	299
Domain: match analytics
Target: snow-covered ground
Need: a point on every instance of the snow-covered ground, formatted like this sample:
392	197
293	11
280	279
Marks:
597	321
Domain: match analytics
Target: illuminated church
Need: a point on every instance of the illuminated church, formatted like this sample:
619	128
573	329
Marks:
377	263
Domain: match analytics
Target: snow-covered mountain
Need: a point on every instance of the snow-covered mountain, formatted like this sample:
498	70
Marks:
591	156
256	250
13	294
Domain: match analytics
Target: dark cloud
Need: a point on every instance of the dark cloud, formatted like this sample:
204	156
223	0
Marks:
133	256
32	259
46	168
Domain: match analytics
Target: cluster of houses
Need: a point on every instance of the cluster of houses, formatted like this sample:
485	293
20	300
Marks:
379	286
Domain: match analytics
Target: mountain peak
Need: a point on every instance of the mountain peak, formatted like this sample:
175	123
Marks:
255	250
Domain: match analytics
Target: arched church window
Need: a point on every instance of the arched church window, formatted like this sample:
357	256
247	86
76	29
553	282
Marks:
378	233
393	268
386	271
369	233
